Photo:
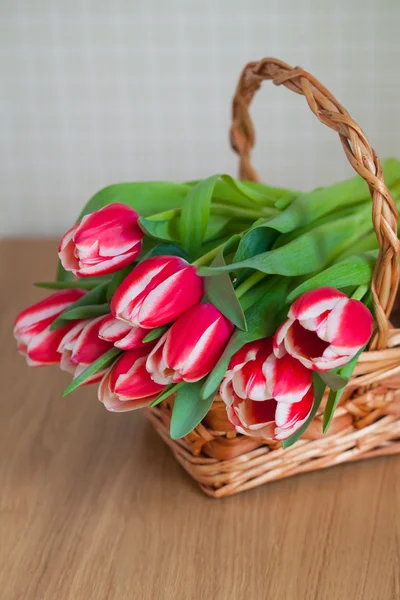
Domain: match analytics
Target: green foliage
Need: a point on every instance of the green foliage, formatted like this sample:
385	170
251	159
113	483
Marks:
189	409
355	270
95	297
195	215
103	362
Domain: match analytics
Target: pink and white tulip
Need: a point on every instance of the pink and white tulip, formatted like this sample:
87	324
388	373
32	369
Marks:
265	396
127	385
254	372
102	242
269	419
121	334
190	349
325	329
157	292
32	331
81	346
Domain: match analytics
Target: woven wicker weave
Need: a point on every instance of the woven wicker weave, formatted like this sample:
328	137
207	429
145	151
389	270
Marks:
367	421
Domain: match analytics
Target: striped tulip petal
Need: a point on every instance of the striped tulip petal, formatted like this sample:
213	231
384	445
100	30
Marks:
127	385
102	242
123	335
81	346
290	417
157	292
287	379
191	347
325	329
32	331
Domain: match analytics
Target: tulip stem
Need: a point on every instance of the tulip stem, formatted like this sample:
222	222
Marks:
360	292
221	209
249	283
165	215
207	258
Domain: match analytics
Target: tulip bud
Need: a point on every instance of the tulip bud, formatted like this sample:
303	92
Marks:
102	242
190	349
157	292
324	330
265	396
121	334
81	346
32	331
127	385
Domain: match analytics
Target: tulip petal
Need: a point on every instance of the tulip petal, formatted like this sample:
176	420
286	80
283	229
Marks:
145	277
314	303
88	347
112	329
114	227
103	267
288	380
171	298
349	326
48	308
136	383
303	344
196	341
279	338
290	417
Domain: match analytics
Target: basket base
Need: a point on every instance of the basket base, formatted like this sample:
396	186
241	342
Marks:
219	478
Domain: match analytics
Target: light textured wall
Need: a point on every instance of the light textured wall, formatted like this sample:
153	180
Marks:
99	92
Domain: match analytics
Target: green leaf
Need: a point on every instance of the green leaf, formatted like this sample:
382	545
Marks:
117	279
85	312
355	270
103	362
156	333
172	388
334	395
319	389
307	208
261	322
96	296
251	192
333	380
221	293
88	283
147	198
255	241
216	225
189	409
195	215
167	230
306	254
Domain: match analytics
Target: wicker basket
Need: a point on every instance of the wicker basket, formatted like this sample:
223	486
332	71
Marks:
367	421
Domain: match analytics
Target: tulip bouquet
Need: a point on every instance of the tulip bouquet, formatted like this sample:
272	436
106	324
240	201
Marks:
215	288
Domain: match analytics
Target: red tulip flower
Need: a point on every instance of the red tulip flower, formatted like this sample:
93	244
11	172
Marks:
102	242
324	330
121	334
32	331
127	385
81	346
266	397
157	292
190	349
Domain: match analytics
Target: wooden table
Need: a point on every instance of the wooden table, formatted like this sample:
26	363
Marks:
94	507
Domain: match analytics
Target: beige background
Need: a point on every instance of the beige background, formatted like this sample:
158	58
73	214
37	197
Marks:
98	92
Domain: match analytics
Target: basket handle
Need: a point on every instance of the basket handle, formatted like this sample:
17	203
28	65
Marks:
361	156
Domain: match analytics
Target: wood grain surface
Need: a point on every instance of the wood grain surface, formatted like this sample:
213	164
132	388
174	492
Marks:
93	506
